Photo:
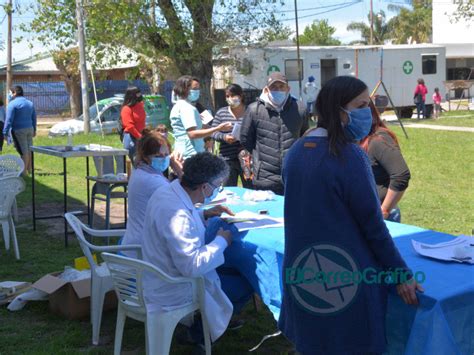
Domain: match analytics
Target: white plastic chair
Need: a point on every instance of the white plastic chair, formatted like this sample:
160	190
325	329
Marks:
127	274
11	166
101	282
9	188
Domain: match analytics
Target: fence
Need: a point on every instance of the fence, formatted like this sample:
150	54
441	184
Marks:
52	98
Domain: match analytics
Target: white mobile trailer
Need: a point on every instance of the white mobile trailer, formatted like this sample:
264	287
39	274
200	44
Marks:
402	66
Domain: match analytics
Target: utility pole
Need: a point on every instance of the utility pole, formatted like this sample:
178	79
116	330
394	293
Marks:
9	10
371	22
82	65
298	49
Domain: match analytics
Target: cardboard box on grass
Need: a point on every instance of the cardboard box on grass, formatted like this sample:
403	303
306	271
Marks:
71	299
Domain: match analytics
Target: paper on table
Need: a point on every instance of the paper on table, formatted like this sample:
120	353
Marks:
236	130
206	116
247	220
98	147
458	249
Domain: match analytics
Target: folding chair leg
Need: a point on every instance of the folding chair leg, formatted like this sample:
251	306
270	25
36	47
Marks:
97	305
6	233
14	240
121	317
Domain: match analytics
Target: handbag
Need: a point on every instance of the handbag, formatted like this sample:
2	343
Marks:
246	163
417	99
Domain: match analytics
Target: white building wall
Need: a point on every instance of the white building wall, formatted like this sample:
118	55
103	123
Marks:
446	32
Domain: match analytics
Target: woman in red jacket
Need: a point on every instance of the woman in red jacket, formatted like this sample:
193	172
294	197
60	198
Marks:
133	118
420	97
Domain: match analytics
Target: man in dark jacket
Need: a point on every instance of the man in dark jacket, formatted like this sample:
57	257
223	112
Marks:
270	126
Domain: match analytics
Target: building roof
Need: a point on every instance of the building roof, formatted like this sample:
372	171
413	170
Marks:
43	64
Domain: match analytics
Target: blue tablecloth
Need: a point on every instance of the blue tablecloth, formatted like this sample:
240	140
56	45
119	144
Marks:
442	324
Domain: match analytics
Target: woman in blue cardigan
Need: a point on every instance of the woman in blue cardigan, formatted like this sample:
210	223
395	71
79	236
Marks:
339	256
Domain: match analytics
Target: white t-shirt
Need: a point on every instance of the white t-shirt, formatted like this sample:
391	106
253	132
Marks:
311	91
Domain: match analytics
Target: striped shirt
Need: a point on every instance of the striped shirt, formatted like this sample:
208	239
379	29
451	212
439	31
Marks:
226	150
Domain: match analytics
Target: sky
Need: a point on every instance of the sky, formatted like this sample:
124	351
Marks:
339	14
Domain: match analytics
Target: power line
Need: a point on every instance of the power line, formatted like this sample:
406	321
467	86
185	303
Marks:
322	12
285	11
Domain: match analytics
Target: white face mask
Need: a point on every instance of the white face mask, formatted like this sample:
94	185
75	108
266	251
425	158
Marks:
233	101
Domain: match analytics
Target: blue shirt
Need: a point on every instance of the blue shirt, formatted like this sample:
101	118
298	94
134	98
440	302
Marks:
184	116
333	221
20	114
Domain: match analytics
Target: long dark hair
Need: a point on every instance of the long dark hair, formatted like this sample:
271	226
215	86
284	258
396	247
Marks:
334	95
131	98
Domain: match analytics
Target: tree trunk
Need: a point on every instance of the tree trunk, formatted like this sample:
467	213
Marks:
73	87
203	71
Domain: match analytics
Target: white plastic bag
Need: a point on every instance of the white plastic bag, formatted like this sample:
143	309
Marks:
31	295
258	196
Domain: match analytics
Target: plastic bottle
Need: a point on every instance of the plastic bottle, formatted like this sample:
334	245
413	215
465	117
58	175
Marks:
69	139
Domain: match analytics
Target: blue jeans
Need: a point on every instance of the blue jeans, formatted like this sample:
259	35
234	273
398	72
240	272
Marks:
420	107
233	282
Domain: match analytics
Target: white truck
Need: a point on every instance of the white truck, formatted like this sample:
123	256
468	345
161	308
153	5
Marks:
402	66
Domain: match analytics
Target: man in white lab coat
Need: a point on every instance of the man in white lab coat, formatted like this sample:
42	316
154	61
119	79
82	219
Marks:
174	240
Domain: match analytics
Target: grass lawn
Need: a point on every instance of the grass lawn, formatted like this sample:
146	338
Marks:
439	197
450	118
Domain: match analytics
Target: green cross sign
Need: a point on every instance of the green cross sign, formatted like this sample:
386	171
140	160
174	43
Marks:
407	67
272	68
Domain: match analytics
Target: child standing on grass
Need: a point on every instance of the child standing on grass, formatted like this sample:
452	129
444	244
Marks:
437	103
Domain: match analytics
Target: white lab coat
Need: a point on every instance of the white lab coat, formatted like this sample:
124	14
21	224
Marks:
143	183
174	241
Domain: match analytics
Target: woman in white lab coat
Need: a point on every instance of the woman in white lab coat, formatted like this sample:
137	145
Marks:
174	241
152	159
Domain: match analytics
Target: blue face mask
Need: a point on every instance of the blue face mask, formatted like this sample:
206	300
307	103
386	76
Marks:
10	97
212	197
278	97
160	163
360	122
193	95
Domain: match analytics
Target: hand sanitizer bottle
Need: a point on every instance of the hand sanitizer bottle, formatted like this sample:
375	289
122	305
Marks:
69	138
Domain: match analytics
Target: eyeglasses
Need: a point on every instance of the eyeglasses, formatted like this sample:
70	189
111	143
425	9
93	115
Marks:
219	188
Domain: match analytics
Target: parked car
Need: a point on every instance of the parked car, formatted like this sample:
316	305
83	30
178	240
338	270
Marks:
156	108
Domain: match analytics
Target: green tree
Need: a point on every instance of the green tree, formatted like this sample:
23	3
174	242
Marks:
381	31
412	25
319	33
67	62
464	11
183	30
276	32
